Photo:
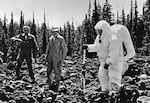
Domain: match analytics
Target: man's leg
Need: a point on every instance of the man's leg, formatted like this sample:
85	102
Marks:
103	78
57	71
115	75
29	64
49	72
19	63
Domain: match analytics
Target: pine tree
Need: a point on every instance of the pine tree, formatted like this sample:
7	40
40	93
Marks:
131	18
44	41
117	20
11	27
64	33
33	27
107	12
90	22
89	30
69	39
96	13
72	33
4	38
73	37
135	20
21	22
89	10
5	27
79	39
140	32
128	22
146	18
60	31
123	17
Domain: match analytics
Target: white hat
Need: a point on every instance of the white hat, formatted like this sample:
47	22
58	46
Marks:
55	29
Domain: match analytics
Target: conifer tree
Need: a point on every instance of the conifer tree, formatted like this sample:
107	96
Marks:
146	18
4	38
107	12
33	27
134	32
44	41
117	20
131	18
21	22
69	39
123	17
11	26
64	33
96	13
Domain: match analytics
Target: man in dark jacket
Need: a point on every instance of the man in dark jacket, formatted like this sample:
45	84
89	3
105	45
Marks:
28	45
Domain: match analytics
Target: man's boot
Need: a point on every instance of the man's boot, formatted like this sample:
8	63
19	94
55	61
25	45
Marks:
18	76
54	86
57	85
32	79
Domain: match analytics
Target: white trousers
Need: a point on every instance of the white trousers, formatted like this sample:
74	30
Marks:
110	79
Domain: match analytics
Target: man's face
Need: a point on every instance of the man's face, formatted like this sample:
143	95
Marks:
26	30
55	33
99	32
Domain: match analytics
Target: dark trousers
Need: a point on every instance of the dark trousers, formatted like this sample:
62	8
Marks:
29	64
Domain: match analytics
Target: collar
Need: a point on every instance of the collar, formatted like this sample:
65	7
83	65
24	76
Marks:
55	37
24	34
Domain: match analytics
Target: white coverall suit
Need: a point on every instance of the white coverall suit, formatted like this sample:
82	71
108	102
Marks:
122	32
109	51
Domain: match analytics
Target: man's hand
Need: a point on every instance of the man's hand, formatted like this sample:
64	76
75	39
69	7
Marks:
106	66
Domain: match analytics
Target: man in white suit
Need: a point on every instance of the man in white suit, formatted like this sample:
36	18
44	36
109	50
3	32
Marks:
109	48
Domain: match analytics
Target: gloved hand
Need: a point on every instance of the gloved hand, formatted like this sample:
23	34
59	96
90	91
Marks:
85	46
106	66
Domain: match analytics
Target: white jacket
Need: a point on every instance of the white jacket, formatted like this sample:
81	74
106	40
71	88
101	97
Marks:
110	47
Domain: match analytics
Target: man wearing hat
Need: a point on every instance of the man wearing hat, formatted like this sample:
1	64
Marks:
55	55
28	46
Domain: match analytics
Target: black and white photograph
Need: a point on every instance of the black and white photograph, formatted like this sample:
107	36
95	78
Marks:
74	51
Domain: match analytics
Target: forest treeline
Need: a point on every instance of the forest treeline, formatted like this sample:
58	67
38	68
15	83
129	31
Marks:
138	25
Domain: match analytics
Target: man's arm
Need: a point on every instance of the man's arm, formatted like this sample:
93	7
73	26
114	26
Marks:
16	38
35	47
93	47
47	50
64	49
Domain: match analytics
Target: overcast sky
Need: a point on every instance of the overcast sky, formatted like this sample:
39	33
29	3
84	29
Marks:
57	11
